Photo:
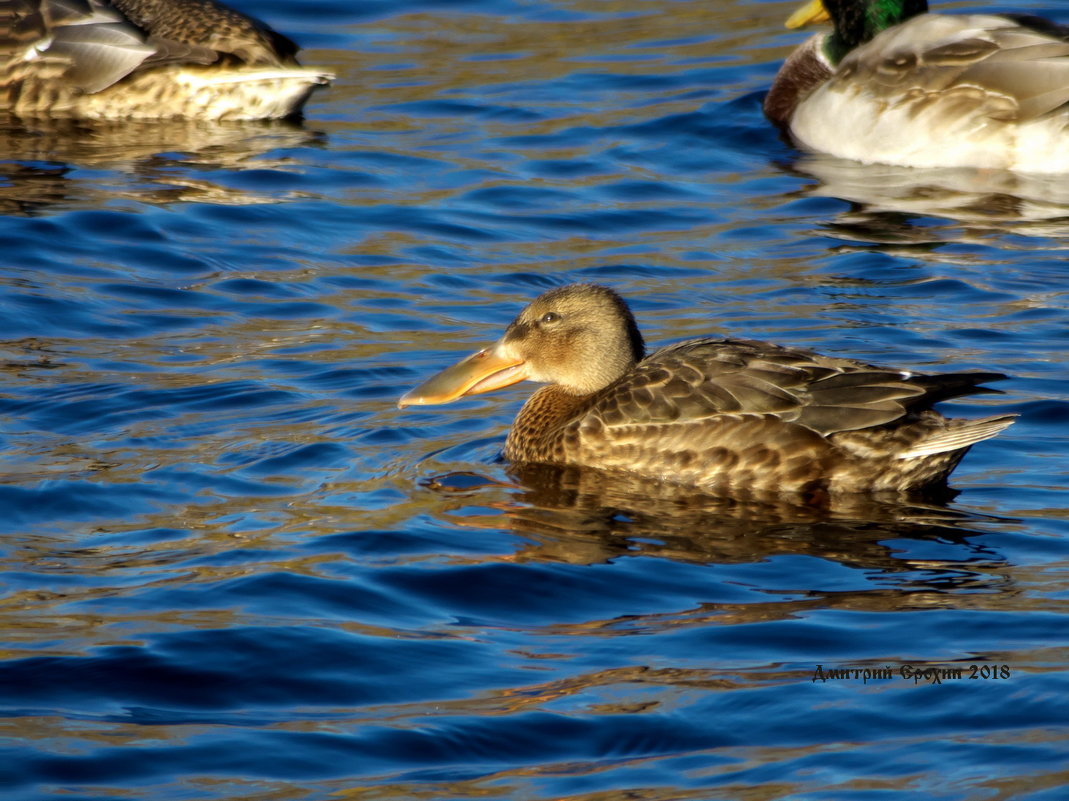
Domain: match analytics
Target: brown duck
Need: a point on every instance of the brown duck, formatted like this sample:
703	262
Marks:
146	59
725	415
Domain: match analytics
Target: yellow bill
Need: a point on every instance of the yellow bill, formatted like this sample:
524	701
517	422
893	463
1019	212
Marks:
489	369
811	13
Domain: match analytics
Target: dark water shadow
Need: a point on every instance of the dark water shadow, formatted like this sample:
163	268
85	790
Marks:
67	163
583	516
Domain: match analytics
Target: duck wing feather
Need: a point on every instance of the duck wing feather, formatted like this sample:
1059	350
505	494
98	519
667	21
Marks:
90	44
991	63
213	25
698	380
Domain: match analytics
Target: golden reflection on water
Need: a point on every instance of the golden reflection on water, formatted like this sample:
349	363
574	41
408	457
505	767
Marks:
415	56
57	148
584	517
572	517
410	58
92	569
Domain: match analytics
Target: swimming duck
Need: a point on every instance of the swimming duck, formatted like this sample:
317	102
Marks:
725	415
146	59
895	85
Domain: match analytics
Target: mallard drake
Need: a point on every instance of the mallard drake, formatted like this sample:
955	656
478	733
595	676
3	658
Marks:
146	59
725	415
894	85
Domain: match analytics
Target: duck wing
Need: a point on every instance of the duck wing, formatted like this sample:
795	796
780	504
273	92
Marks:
740	416
1006	68
700	380
88	44
208	24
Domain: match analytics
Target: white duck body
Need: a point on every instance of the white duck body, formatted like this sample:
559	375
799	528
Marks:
946	91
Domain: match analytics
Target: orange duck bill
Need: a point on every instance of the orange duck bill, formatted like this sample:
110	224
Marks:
489	369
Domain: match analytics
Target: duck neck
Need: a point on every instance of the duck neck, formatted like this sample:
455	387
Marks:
858	21
535	433
804	70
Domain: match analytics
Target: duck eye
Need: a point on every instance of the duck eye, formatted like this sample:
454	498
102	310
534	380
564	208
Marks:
550	317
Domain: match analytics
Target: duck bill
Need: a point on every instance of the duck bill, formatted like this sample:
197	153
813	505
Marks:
811	13
489	369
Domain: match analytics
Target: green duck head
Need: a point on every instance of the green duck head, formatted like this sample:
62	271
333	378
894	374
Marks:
856	21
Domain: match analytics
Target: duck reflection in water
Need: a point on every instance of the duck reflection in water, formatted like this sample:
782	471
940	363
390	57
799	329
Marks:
728	417
575	515
56	163
895	205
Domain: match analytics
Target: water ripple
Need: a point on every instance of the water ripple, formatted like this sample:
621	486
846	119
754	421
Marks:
234	569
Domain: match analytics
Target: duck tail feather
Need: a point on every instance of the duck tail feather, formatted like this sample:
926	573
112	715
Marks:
944	386
960	436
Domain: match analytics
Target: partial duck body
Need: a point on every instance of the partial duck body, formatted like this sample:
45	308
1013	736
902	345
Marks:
146	59
893	84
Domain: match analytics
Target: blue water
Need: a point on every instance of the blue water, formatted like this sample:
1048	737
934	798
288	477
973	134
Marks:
233	569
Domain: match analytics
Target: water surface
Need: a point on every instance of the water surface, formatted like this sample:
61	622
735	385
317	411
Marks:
232	569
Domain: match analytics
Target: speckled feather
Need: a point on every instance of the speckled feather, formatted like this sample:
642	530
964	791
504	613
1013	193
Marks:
146	59
727	414
211	24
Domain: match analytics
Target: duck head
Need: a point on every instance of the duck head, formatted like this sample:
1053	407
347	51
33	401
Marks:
580	337
856	21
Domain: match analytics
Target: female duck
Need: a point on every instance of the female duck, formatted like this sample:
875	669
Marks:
894	85
726	415
147	59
